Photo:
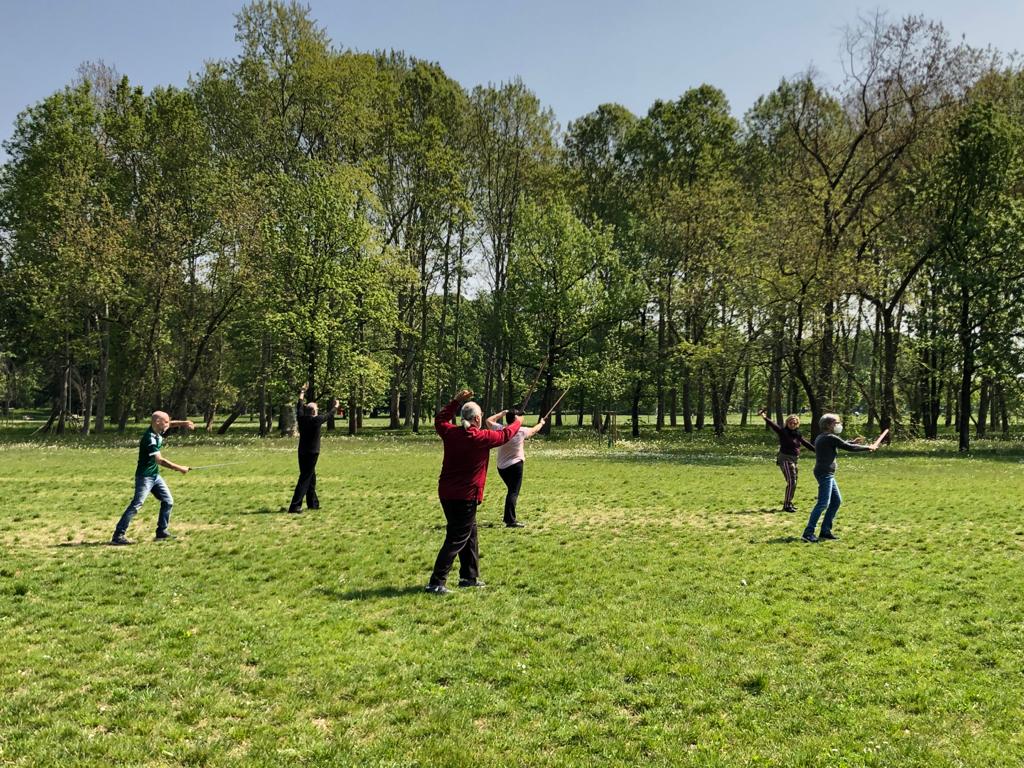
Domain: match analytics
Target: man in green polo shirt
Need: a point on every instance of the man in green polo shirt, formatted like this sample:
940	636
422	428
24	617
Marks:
147	477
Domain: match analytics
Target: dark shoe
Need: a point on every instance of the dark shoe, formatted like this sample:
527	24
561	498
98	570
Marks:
313	508
437	589
294	511
790	508
516	524
474	583
829	536
120	540
163	536
810	538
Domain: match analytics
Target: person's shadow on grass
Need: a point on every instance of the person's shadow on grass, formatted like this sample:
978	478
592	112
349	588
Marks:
368	594
103	543
265	511
784	540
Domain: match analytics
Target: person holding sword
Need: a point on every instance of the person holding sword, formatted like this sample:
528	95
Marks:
511	459
826	446
148	480
309	423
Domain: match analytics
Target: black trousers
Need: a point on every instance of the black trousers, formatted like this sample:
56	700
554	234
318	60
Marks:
513	477
307	483
459	540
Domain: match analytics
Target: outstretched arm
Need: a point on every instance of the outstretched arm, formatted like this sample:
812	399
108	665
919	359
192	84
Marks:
492	421
494	438
853	447
183	423
531	431
170	464
764	415
443	419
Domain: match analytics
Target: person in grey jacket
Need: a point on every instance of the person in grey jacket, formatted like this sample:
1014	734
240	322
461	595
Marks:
826	447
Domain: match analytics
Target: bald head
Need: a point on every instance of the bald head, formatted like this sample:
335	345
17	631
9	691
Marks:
160	421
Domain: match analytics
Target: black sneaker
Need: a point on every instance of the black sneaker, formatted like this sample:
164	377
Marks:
468	583
437	589
829	536
163	536
790	508
516	524
294	511
120	540
810	538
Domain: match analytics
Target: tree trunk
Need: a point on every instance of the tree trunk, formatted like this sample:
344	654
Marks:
701	398
264	399
87	403
635	410
1003	412
102	389
286	420
746	394
237	411
983	398
967	370
687	401
659	423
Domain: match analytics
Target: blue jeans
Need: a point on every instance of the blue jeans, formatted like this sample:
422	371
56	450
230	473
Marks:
828	502
143	487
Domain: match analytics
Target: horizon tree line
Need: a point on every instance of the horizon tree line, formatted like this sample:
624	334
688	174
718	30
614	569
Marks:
363	223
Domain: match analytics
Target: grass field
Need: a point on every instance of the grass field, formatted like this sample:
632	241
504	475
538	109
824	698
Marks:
657	610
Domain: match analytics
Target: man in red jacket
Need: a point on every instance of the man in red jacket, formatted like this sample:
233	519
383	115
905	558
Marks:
461	487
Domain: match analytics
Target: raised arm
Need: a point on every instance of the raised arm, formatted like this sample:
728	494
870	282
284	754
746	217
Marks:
492	421
531	431
323	418
443	419
764	415
183	424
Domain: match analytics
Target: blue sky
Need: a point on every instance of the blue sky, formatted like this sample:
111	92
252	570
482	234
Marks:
574	54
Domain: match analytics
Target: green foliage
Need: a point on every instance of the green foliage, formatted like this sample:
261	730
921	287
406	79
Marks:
364	222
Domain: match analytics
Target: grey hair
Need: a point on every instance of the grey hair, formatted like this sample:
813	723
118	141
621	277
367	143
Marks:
470	411
827	421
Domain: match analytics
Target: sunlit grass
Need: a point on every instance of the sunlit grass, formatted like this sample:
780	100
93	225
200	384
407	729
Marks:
657	609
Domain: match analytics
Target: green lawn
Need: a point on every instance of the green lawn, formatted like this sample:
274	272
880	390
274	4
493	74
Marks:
657	610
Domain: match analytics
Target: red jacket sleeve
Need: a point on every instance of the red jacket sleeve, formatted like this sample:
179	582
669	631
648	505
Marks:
443	419
494	438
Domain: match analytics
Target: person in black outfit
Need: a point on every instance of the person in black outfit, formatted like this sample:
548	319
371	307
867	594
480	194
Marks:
309	423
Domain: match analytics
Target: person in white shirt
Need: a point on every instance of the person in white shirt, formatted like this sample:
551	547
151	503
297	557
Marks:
511	458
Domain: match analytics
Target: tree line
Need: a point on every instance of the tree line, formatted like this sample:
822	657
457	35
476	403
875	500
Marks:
364	223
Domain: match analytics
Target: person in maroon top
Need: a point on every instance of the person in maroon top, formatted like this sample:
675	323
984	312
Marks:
461	487
790	442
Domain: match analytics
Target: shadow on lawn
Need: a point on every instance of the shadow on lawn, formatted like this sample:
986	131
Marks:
265	511
367	594
104	543
479	524
785	540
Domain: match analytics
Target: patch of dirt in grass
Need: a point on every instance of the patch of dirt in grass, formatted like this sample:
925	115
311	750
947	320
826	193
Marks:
623	517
